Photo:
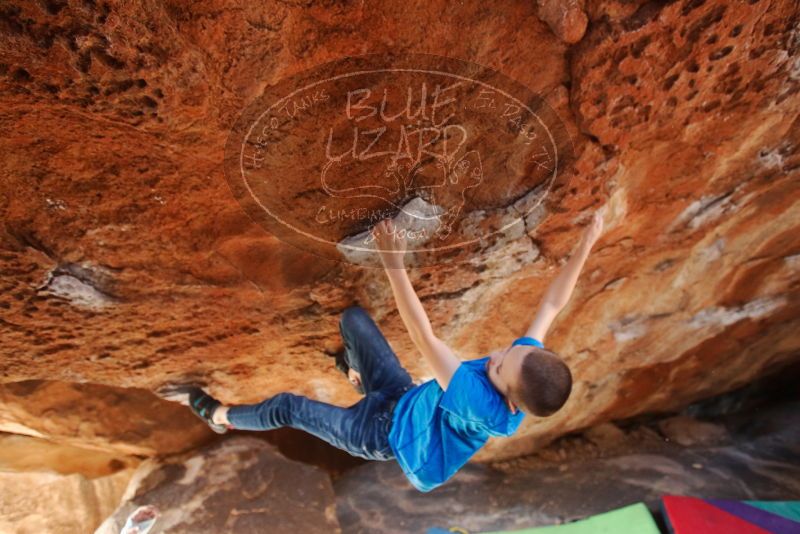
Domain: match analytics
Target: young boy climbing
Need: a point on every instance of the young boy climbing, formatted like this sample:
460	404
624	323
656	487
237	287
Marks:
431	429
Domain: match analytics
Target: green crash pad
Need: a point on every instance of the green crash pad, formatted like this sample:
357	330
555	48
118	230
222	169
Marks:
633	519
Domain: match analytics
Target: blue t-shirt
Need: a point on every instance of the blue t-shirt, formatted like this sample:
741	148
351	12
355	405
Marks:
435	432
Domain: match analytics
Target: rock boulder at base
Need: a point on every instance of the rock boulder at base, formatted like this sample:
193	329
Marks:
240	485
759	461
686	431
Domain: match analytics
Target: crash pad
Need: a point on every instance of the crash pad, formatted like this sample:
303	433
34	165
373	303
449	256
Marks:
633	519
688	515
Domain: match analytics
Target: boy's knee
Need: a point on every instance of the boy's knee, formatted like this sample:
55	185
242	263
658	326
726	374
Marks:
280	411
351	316
285	399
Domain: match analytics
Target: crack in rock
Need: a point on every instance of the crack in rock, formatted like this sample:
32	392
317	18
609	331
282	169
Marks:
704	210
629	328
721	316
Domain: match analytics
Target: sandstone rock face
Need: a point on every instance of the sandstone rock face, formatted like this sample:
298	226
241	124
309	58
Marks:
238	486
106	419
25	453
50	486
36	502
127	262
566	18
686	431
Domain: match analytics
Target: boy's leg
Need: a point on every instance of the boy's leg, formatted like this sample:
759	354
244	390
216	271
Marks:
368	352
361	429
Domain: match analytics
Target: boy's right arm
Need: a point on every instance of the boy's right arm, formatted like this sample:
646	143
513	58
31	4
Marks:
441	358
560	290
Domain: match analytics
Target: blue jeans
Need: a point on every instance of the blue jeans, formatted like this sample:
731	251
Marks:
361	429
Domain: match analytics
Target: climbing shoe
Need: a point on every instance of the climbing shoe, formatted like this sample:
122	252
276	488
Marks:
201	403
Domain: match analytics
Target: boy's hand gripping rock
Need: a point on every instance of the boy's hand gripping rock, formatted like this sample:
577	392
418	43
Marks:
390	243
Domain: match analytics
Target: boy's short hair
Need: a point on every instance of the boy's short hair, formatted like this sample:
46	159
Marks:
544	384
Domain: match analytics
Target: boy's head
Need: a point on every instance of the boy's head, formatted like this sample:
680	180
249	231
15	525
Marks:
533	379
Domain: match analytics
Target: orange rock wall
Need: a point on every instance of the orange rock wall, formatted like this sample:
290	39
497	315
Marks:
125	261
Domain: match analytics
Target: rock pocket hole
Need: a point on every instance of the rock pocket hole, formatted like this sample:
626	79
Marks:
721	53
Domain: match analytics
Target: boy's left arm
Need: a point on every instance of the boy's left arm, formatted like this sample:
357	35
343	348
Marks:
560	290
392	249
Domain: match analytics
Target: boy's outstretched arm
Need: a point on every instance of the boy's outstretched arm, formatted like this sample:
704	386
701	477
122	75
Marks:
392	249
560	290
